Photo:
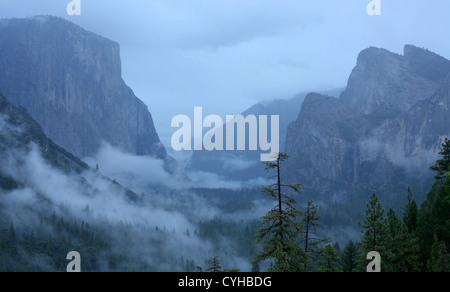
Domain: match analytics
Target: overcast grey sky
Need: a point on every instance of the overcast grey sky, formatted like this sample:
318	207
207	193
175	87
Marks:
226	55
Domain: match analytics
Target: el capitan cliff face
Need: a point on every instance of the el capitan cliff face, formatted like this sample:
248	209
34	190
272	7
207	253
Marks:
70	81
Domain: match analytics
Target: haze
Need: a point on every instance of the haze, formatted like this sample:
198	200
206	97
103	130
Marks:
226	55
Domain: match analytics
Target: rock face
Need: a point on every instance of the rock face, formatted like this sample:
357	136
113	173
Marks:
383	132
413	139
386	83
246	165
70	82
18	131
322	141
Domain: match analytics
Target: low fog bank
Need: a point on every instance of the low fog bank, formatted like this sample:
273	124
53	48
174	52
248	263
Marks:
144	218
209	195
164	224
141	173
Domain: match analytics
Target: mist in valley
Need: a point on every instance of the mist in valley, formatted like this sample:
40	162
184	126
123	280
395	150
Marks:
86	161
153	229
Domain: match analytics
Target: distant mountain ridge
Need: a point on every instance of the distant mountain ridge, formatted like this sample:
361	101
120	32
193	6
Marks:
18	131
383	132
389	83
245	165
70	82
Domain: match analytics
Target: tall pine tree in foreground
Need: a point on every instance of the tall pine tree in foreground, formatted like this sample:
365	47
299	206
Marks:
405	252
391	243
439	258
403	242
281	228
310	240
410	213
434	218
376	233
350	257
443	165
329	261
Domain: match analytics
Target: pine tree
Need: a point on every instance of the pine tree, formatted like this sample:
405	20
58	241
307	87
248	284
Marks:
349	257
310	219
434	212
281	228
337	247
395	224
405	252
329	260
215	266
392	242
434	218
425	227
256	268
410	213
443	165
439	258
440	211
375	230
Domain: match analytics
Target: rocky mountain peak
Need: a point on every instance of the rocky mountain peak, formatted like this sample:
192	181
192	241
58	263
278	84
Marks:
18	131
388	83
426	63
373	57
386	126
70	82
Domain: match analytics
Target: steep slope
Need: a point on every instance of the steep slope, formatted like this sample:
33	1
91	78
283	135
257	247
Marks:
413	140
18	131
20	134
244	165
322	142
427	64
387	84
384	131
287	109
70	82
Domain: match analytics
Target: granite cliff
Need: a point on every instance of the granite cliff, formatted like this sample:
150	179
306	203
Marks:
70	82
386	83
383	132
